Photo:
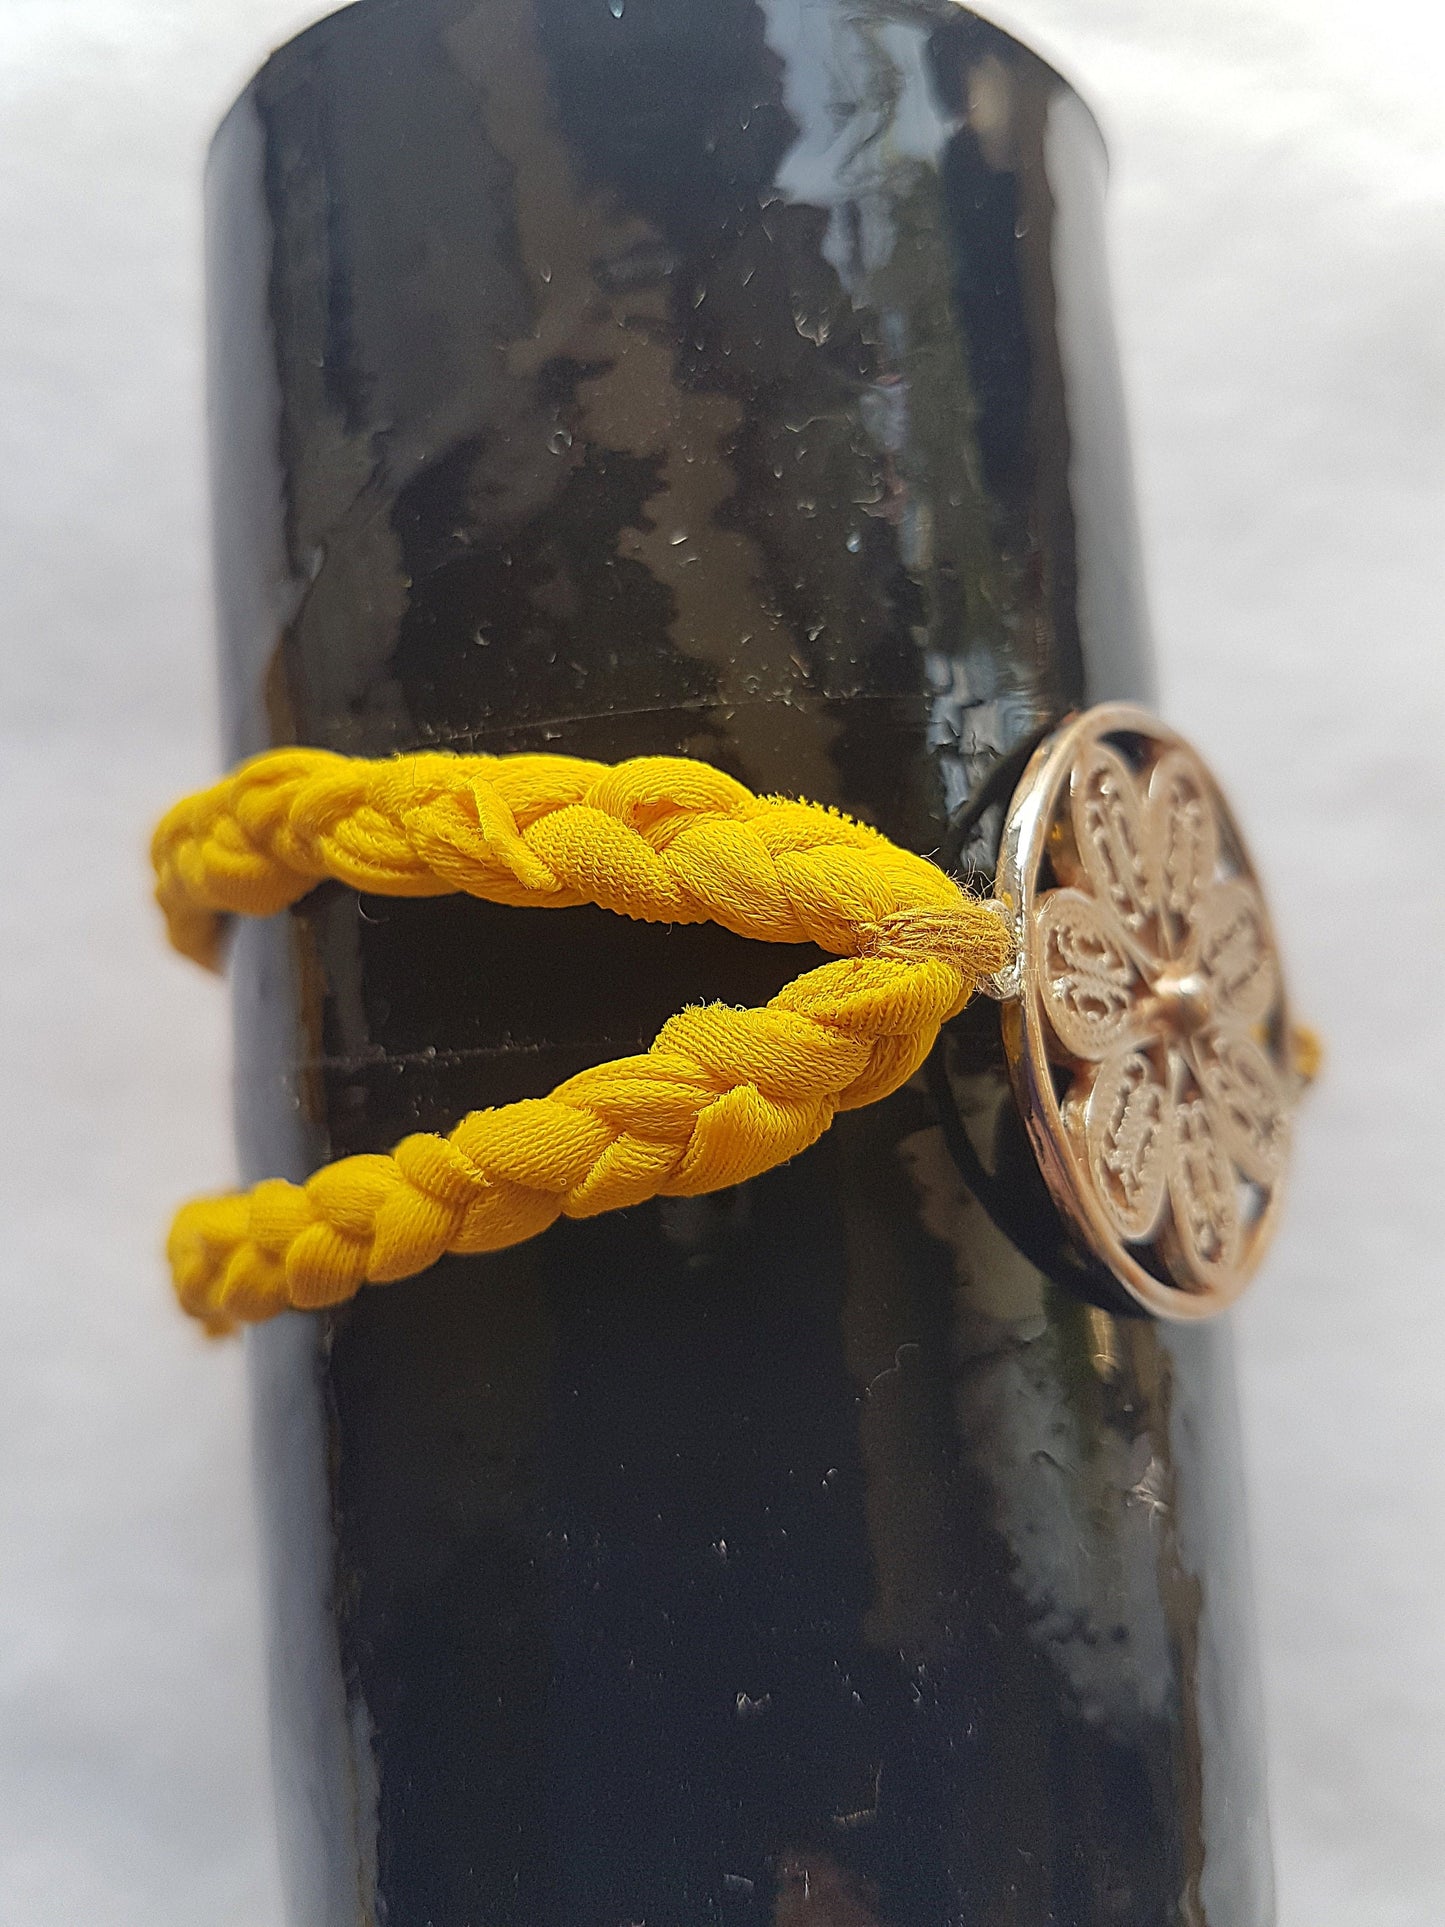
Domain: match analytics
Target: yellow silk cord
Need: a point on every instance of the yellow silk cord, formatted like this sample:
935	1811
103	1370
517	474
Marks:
722	1094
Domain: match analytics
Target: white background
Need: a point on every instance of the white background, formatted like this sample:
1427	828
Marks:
1278	224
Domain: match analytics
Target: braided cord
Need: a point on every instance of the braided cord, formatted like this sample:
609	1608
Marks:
660	838
721	1096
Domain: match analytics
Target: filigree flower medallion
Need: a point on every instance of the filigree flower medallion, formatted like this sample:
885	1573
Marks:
1148	1031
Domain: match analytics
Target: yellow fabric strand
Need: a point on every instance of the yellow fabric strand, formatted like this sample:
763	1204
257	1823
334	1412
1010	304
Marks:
721	1096
659	838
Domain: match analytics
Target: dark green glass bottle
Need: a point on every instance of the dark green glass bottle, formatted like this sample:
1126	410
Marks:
734	378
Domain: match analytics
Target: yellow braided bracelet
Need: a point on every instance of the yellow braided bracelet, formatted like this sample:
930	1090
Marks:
722	1095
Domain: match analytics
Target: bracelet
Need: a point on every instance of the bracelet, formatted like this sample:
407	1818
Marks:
721	1096
1149	1038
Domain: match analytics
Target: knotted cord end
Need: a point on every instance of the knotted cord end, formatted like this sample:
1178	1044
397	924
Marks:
975	938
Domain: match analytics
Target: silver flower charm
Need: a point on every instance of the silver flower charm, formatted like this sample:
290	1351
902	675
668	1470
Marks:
1150	1040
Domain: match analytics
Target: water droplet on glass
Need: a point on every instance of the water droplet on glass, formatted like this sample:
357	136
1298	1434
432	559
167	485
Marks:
677	538
814	328
614	7
854	543
1021	228
546	273
559	441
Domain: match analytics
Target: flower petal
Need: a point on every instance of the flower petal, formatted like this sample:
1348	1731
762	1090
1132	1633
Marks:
1111	836
1127	1126
1250	1111
1234	952
1184	831
1089	983
1204	1192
